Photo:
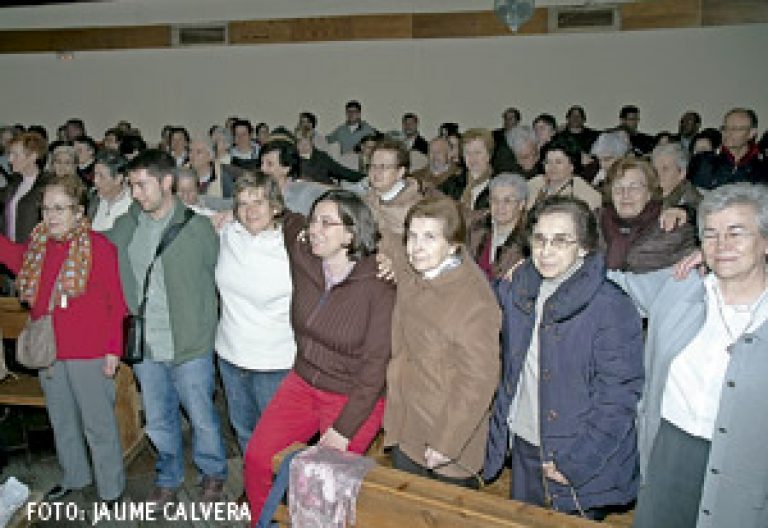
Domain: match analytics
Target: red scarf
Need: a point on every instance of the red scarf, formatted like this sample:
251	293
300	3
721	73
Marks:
73	275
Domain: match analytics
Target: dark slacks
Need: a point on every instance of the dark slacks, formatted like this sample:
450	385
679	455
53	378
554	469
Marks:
671	493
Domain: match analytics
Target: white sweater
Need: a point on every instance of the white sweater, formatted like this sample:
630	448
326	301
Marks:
254	281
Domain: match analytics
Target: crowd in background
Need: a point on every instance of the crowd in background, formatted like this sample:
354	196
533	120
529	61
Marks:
487	297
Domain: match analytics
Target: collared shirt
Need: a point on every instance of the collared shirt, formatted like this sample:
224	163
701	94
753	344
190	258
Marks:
450	262
392	193
107	212
692	392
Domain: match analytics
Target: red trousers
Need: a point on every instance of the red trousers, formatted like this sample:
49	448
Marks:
296	413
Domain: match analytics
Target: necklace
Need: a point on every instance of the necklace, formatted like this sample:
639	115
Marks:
753	309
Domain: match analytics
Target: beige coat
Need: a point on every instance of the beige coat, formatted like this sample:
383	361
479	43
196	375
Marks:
580	189
390	216
445	366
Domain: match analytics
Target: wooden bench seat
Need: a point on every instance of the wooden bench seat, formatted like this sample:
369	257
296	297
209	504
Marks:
24	389
393	499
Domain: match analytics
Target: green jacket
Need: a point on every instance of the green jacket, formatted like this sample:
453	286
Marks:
188	268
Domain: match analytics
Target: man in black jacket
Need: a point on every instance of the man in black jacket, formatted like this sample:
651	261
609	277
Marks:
414	140
738	160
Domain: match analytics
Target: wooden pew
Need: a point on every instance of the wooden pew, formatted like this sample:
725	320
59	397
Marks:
390	498
24	389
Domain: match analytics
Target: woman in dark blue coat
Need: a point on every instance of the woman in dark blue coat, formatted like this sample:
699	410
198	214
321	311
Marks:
572	372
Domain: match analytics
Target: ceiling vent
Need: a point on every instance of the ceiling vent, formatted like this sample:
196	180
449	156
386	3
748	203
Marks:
588	18
200	35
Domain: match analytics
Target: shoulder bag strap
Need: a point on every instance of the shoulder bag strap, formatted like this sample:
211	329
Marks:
167	237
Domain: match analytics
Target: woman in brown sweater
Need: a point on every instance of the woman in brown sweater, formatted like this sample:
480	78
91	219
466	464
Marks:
342	319
445	350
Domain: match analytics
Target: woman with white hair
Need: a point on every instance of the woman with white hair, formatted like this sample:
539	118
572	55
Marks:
62	161
609	147
497	243
702	422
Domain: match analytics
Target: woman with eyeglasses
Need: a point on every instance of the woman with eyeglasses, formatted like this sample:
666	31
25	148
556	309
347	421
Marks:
445	350
70	271
572	372
702	424
342	320
629	223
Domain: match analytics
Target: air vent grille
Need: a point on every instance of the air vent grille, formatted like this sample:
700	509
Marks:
200	35
573	19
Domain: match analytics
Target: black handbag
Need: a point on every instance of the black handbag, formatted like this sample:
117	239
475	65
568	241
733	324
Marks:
133	325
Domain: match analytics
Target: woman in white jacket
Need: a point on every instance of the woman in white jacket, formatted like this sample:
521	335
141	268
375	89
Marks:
254	339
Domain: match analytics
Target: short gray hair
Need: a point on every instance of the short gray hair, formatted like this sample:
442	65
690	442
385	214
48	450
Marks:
510	179
754	195
207	142
612	144
678	153
518	137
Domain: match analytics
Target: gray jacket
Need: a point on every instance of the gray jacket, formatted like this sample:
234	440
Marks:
735	488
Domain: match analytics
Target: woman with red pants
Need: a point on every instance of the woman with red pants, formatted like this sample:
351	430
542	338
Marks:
341	314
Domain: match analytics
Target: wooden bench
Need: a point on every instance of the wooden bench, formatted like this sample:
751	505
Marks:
24	389
390	498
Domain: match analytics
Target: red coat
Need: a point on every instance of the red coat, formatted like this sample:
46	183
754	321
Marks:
92	324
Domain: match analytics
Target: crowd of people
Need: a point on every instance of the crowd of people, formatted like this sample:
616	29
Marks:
586	308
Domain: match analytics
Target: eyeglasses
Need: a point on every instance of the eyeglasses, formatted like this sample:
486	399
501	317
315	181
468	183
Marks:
735	128
632	188
324	223
731	236
558	242
58	209
381	166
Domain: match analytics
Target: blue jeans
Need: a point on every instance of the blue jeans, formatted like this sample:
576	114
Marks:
248	394
165	386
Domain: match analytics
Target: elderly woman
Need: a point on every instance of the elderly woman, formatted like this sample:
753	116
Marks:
62	161
562	164
254	339
496	244
608	148
670	162
222	141
113	196
445	350
342	319
572	372
701	425
70	271
630	225
21	197
477	149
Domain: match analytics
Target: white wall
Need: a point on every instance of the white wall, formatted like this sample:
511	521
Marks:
665	72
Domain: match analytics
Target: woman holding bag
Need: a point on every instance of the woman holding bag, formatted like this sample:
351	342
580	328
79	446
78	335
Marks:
71	272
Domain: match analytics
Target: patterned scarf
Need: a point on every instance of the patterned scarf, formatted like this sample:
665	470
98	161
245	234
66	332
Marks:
73	275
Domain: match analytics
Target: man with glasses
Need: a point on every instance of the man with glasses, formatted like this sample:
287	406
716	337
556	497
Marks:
391	194
738	160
